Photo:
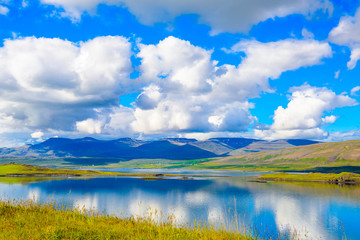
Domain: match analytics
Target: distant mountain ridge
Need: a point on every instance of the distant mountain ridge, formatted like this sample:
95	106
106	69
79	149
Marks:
167	148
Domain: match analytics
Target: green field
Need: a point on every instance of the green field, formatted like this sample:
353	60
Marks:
30	220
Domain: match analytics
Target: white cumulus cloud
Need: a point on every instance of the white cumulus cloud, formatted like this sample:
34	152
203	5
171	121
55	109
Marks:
303	116
52	83
89	126
347	33
57	86
264	61
37	134
189	92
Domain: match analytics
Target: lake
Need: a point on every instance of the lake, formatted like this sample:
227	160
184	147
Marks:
316	211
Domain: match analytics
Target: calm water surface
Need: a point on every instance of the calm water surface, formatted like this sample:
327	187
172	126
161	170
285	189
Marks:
316	211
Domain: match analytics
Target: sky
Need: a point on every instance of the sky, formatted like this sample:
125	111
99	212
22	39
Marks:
150	69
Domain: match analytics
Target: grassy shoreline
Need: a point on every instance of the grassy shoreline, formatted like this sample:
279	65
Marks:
220	164
23	170
341	178
31	220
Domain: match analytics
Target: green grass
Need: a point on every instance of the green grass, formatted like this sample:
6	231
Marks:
28	170
24	180
341	178
30	220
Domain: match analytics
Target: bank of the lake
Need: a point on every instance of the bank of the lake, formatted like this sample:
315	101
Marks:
10	170
219	164
341	178
31	220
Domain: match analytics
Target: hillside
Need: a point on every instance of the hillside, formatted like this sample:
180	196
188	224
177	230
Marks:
315	156
326	151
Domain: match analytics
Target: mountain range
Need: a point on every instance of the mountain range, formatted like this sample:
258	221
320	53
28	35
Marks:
168	148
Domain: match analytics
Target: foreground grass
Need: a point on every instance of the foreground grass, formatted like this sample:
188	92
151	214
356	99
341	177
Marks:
30	220
341	178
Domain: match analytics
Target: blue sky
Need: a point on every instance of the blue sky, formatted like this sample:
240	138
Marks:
151	69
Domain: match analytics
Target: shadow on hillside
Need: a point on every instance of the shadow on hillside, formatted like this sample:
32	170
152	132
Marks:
354	169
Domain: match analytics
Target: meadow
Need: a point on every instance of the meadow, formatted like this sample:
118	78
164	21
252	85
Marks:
32	220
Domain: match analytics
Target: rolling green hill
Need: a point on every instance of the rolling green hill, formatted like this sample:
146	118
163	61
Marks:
332	156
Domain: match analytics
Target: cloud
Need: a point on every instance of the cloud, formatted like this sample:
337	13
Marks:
303	116
57	86
89	126
38	134
348	30
108	59
119	120
343	136
178	75
25	3
355	56
208	135
52	83
306	34
354	91
264	61
329	119
223	16
186	67
188	92
74	9
4	10
347	33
